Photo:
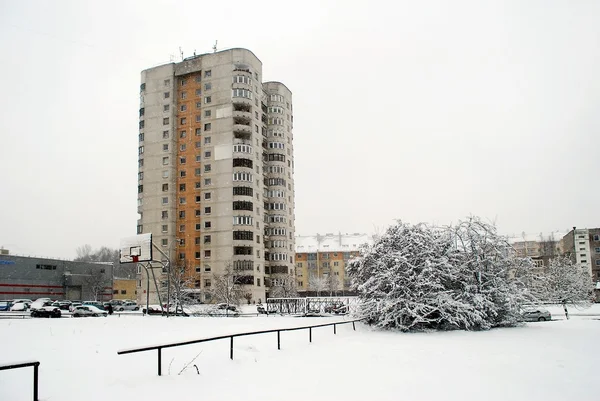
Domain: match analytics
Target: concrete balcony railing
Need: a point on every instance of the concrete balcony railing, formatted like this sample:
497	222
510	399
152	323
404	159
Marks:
240	115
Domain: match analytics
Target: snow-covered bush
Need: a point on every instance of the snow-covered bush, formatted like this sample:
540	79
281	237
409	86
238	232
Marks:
418	277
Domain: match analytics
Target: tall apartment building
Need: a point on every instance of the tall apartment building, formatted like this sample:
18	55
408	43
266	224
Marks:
325	256
216	164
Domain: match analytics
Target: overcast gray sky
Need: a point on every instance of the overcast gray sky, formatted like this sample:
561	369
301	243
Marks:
420	111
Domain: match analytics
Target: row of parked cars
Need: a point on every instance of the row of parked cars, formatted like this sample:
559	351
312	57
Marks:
46	307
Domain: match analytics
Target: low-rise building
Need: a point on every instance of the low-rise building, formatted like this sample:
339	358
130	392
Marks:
124	288
33	277
322	260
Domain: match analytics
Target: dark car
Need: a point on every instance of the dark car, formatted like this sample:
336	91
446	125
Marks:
46	311
337	308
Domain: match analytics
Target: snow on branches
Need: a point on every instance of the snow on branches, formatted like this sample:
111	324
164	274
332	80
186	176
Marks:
419	277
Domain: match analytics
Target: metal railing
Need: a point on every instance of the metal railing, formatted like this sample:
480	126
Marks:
35	365
159	348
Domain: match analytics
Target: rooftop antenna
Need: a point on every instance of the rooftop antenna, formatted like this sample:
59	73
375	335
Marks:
181	53
215	47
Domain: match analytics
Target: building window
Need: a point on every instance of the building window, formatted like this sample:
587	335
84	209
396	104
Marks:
197	211
197	171
207	210
165	174
207	126
207	181
167	95
182	201
207	254
182	214
182	147
197	282
207	195
197	78
206	140
207	239
207	224
183	82
183	121
207	86
182	173
184	95
183	107
207	99
197	144
198	227
197	185
182	228
182	160
166	121
165	187
596	237
207	74
164	242
165	134
165	201
198	93
165	228
207	154
198	200
198	118
207	113
198	105
164	214
182	187
206	168
258	282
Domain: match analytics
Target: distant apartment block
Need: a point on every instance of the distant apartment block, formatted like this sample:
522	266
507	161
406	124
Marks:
322	256
216	171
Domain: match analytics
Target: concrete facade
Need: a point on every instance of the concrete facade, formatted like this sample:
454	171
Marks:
32	278
583	245
215	175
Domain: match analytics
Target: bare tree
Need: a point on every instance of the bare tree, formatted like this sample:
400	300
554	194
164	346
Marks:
225	288
96	281
566	283
181	286
332	284
248	297
84	253
284	286
317	284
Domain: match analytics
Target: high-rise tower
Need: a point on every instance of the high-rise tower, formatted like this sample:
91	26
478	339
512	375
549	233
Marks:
215	171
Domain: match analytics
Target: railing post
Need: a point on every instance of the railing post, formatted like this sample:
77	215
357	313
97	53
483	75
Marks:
278	340
35	381
231	348
353	326
334	331
310	334
159	361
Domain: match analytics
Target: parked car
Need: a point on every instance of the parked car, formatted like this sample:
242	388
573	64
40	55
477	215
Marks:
88	310
536	315
337	308
97	304
74	305
39	303
20	305
46	310
127	306
152	310
5	305
62	305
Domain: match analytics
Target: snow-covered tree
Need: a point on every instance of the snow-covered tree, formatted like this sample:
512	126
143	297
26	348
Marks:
317	284
283	286
420	277
181	287
493	279
225	288
566	283
332	284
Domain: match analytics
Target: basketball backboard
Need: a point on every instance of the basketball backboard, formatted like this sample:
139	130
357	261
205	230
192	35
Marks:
136	249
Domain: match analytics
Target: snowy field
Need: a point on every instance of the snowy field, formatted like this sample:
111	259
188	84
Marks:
539	361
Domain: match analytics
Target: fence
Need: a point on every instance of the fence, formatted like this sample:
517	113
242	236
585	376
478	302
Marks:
35	365
159	348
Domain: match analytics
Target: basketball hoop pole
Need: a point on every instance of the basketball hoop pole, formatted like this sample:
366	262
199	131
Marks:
168	276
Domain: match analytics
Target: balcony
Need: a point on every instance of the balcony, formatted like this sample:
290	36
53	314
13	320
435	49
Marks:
239	102
241	131
242	117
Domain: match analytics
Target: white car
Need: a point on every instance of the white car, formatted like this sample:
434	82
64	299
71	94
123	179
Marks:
88	310
74	305
39	303
21	304
126	306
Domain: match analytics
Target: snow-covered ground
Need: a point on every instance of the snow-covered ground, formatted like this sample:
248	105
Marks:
539	361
